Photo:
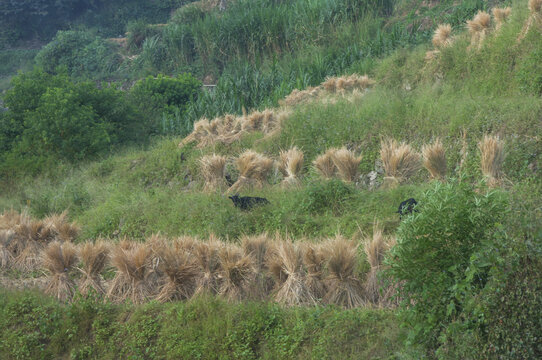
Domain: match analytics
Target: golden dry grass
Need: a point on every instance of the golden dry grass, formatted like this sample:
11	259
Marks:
301	96
257	247
6	258
253	170
59	258
343	286
347	83
442	36
181	272
237	273
491	158
314	262
346	163
285	263
479	28
399	160
213	168
534	19
324	164
290	165
434	159
131	281
207	255
94	257
501	15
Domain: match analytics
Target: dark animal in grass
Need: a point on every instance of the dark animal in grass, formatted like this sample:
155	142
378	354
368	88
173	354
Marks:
229	180
247	202
407	207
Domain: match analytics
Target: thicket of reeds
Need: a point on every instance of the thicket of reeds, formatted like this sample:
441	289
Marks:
399	160
290	165
253	170
434	159
491	158
213	170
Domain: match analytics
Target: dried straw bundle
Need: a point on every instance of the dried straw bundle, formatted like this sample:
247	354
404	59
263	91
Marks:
10	219
346	163
375	248
535	17
94	258
343	286
347	83
213	168
301	96
30	239
478	28
59	259
181	274
400	161
64	230
132	278
285	263
290	165
236	274
253	170
257	247
442	36
6	258
324	164
501	15
431	55
492	157
201	134
314	261
208	261
434	159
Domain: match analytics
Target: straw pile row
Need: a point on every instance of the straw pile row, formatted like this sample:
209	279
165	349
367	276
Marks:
399	160
229	128
332	86
479	28
258	268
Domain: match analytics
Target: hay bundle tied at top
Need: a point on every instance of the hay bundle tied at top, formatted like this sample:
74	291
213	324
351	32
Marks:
442	36
213	169
347	164
285	262
94	257
535	18
301	96
131	281
314	261
492	158
479	28
203	134
31	237
290	165
253	170
257	247
181	272
434	159
347	83
236	274
375	249
400	161
324	164
59	258
6	258
343	286
501	15
207	256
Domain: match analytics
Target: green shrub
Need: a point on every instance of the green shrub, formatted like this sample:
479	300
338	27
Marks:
434	257
326	196
161	96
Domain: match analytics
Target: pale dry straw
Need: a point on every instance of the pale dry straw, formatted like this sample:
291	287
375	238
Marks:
253	170
314	261
479	28
290	165
501	15
442	36
347	164
213	169
324	164
399	160
257	247
94	257
434	159
343	286
181	272
534	19
58	259
491	157
237	273
207	256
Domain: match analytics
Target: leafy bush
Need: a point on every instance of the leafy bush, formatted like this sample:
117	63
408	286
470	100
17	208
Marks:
81	52
434	259
161	96
326	195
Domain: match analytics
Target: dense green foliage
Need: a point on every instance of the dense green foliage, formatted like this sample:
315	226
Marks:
435	259
208	328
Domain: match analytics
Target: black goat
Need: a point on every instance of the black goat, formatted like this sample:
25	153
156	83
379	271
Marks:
247	202
407	207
